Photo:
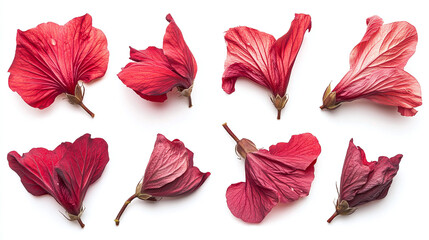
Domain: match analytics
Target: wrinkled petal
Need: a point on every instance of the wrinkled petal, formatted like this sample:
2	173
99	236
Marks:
285	50
50	59
379	181
82	164
247	56
250	202
169	160
376	68
356	170
288	168
177	52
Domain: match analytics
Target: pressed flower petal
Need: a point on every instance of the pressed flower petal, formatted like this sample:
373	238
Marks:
285	50
177	52
82	164
247	56
50	59
169	160
249	201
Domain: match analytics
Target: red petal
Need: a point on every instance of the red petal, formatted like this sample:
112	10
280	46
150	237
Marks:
50	59
376	67
36	169
169	161
250	202
248	56
283	174
355	172
285	50
379	181
287	168
151	80
177	52
82	164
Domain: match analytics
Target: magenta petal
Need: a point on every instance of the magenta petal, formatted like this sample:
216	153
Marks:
177	52
250	202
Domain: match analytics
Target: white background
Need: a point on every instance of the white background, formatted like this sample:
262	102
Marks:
129	124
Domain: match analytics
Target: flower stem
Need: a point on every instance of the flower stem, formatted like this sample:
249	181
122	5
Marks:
190	101
82	225
86	109
332	217
230	132
123	208
279	112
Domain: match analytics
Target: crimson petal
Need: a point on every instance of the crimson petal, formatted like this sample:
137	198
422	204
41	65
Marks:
64	173
50	60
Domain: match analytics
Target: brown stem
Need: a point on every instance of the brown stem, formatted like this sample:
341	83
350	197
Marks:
86	109
123	208
230	132
190	101
82	225
279	112
332	217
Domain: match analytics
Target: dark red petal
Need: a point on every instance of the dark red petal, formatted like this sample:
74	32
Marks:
250	202
285	50
177	52
247	56
50	59
288	168
169	161
355	172
36	169
82	164
379	181
150	79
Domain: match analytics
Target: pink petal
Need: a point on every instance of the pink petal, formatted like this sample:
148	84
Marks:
388	86
376	67
248	56
169	161
285	50
249	201
50	59
177	52
82	164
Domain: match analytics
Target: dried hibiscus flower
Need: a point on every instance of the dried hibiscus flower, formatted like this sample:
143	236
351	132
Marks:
363	181
50	60
64	173
282	174
264	60
156	72
169	173
377	69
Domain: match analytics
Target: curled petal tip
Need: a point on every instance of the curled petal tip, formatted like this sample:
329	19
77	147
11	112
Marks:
169	18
